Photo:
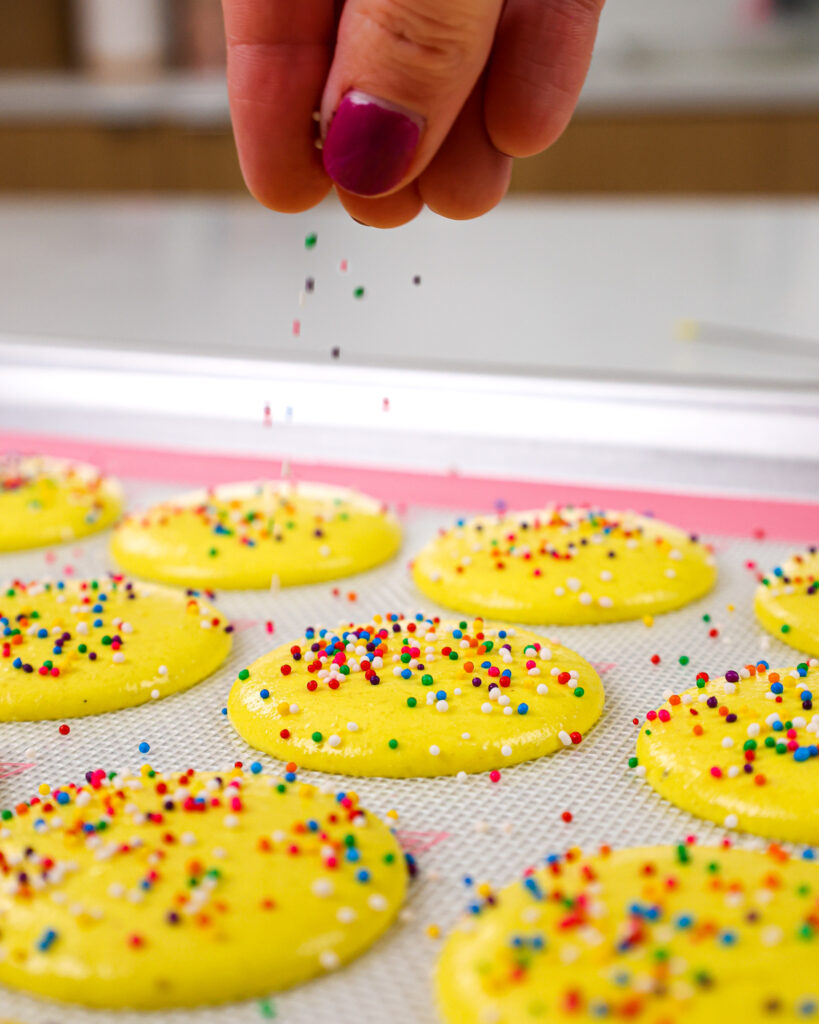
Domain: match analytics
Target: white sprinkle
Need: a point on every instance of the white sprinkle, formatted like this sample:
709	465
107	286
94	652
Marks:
377	902
441	705
163	670
727	742
118	657
435	751
585	598
506	750
322	887
346	915
334	740
542	689
329	960
486	707
564	738
466	736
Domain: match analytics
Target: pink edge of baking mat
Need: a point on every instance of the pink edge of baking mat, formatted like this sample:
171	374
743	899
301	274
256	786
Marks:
703	513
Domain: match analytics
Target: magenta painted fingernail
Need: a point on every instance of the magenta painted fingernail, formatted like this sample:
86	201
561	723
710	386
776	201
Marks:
370	144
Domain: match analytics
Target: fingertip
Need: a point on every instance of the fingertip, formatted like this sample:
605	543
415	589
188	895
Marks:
390	211
542	53
468	175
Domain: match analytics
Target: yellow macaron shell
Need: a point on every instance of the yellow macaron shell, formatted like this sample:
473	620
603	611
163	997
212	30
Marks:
657	935
178	891
564	566
252	536
787	603
83	647
741	751
428	698
51	501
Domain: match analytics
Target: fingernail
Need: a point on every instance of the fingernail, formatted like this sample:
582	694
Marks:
370	144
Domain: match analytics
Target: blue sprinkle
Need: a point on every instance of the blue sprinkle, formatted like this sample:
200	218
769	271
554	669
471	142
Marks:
522	709
144	747
47	940
264	694
256	767
363	875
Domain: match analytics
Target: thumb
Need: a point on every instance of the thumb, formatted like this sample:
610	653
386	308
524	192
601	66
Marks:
401	73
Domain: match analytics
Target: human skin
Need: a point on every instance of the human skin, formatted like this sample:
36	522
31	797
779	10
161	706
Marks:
452	91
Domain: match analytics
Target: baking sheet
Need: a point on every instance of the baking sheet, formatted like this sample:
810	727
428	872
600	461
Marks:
488	831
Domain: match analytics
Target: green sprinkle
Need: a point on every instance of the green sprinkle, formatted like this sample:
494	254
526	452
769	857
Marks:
310	240
267	1009
684	659
683	856
427	680
358	293
785	628
706	618
411	702
633	762
244	674
389	858
579	691
317	737
393	744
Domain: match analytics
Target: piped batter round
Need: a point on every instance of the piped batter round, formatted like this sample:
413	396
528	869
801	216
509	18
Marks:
50	501
403	697
657	935
564	566
80	648
166	891
257	535
787	602
741	750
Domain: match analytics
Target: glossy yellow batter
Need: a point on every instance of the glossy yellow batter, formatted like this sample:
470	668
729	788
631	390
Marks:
51	501
564	566
659	935
787	602
741	751
189	889
81	648
253	536
409	697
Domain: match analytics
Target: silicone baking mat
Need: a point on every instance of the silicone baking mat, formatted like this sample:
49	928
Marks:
490	831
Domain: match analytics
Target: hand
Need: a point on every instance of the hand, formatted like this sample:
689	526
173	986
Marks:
421	101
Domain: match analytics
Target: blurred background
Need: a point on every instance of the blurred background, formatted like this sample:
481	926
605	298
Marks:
642	308
705	97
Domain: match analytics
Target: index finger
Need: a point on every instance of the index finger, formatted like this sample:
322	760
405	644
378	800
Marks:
278	56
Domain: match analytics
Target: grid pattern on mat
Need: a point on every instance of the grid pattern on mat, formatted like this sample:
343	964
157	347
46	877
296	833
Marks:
490	831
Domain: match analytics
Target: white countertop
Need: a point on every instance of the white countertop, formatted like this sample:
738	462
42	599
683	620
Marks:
545	321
